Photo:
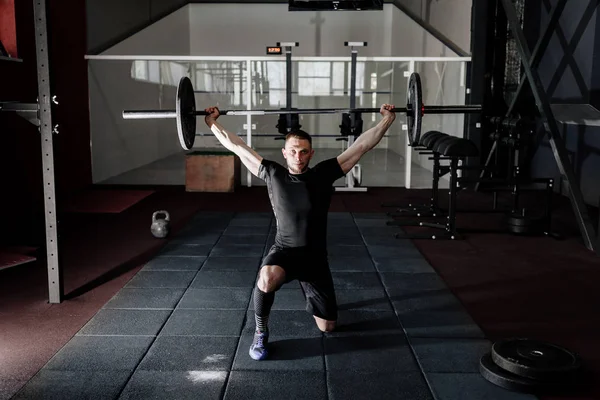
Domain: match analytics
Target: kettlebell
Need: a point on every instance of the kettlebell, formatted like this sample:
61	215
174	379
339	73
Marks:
160	226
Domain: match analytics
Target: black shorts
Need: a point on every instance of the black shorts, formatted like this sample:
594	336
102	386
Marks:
311	269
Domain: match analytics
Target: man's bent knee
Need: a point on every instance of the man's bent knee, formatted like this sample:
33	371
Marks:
271	277
325	325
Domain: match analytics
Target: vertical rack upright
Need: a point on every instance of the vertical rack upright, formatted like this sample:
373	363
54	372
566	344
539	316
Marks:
55	282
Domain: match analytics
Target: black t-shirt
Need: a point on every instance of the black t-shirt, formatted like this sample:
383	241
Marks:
301	202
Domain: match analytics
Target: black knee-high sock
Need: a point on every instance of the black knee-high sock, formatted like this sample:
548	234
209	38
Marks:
262	307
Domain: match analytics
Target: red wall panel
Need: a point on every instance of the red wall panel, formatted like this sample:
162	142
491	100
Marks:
8	34
20	164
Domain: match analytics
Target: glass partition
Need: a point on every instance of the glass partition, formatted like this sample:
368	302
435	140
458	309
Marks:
148	152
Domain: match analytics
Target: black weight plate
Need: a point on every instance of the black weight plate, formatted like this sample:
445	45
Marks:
430	141
500	377
442	141
535	359
428	136
186	119
442	148
520	230
414	106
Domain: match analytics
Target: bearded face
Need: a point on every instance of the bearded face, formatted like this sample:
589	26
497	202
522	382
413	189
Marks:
297	153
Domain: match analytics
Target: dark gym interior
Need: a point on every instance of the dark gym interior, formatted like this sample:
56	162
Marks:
416	314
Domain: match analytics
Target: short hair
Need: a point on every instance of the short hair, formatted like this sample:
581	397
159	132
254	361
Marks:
299	134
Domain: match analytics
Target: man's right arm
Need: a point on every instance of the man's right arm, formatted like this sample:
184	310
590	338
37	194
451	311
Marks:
232	142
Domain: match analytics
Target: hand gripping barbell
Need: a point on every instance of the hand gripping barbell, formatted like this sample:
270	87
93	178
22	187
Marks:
185	112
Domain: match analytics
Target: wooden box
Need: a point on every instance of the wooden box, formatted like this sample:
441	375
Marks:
211	171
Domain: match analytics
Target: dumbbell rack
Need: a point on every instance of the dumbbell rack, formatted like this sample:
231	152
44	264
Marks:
425	147
439	145
422	210
517	224
448	229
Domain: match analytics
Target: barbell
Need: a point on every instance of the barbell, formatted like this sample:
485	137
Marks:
185	112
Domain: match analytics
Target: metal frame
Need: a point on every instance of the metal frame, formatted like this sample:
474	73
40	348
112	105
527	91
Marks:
407	147
249	92
108	57
569	48
448	228
28	111
350	174
353	61
288	81
559	150
535	59
55	282
539	50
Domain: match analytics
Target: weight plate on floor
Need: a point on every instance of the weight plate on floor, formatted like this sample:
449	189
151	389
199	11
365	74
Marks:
534	359
500	377
414	109
520	229
521	225
186	119
519	220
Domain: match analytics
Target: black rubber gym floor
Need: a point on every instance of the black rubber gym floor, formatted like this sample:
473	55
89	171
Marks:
182	326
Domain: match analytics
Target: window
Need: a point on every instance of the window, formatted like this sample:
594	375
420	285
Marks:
223	77
275	72
360	78
327	78
337	78
163	72
314	78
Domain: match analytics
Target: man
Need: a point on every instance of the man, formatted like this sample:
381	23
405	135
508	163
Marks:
300	197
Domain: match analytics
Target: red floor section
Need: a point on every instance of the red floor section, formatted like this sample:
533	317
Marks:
13	256
108	201
537	287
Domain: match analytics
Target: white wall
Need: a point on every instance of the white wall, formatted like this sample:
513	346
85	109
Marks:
452	18
169	36
109	21
410	40
246	29
120	145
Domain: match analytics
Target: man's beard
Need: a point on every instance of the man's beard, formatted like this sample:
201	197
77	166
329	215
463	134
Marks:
295	169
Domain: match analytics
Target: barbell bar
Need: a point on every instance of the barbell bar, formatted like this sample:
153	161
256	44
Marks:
171	114
277	135
186	113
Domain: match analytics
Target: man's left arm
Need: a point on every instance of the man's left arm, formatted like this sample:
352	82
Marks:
366	141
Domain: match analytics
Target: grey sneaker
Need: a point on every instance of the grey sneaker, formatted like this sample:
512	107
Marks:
258	349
